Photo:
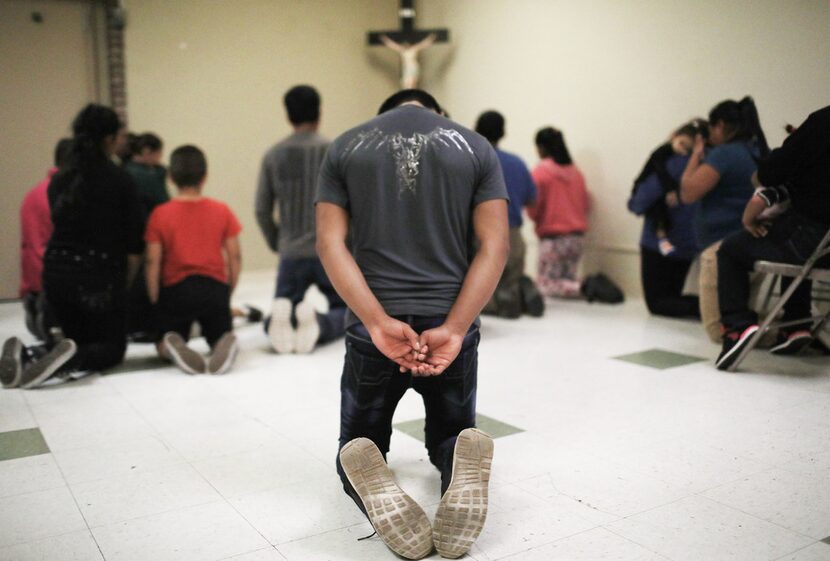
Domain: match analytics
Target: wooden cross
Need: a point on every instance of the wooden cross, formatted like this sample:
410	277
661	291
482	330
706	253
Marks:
407	33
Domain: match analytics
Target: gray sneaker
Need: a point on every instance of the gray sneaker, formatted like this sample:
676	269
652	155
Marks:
463	508
224	353
11	363
399	521
183	356
41	370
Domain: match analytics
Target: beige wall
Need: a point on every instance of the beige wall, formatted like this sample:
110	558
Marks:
213	73
47	74
618	75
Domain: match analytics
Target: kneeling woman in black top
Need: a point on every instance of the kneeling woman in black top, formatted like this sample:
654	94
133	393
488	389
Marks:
95	248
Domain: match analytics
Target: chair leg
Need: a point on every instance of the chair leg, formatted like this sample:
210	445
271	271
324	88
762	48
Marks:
767	322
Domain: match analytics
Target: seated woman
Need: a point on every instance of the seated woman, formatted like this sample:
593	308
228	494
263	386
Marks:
95	248
721	180
668	223
802	163
560	214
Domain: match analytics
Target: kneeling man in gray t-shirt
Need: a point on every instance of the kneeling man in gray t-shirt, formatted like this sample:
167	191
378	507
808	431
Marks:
401	200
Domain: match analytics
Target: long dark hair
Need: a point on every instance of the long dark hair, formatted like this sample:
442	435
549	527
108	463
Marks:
742	122
552	145
91	126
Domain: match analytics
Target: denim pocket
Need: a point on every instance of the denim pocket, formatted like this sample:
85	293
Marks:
368	375
459	380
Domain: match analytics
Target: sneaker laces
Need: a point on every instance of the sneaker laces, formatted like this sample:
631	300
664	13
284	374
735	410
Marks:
367	537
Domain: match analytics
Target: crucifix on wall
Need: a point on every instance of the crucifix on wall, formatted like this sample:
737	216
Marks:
408	42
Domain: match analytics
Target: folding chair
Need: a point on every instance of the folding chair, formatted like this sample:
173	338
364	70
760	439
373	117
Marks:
799	274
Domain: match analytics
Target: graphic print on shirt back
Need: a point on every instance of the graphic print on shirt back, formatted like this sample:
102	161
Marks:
407	150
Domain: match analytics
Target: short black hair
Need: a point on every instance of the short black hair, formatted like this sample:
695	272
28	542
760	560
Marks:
188	166
403	96
147	140
490	125
302	104
62	151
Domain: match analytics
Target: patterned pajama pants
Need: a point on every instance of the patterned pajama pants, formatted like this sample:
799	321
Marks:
558	262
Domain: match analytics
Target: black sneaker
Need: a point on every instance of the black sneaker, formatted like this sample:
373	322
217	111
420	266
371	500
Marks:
41	370
183	356
11	363
792	343
532	302
733	343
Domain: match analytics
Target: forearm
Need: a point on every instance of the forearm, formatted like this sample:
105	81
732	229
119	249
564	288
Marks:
269	229
753	209
234	267
152	277
133	265
479	284
348	280
692	165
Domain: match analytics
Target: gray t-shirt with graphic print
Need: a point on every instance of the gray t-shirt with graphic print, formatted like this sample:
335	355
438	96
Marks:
410	179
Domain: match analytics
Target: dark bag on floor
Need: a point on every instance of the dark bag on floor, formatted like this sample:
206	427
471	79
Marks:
602	289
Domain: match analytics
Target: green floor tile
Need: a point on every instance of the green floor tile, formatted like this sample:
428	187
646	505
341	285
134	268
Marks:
493	427
826	540
21	444
659	359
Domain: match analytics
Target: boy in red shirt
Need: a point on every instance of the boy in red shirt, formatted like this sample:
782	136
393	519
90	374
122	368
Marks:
192	266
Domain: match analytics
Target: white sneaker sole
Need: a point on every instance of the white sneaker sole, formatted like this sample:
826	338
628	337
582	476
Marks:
463	508
399	521
183	356
280	331
224	354
308	330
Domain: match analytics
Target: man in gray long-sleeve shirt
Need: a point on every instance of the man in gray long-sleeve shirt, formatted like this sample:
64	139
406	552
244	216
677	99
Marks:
287	181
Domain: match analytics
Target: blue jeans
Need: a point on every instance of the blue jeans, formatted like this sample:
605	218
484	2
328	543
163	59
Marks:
371	387
294	276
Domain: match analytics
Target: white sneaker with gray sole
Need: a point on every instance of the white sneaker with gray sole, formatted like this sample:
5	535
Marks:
183	356
223	355
41	370
308	330
463	509
399	521
280	331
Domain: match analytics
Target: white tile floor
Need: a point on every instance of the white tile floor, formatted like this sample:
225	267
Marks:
618	461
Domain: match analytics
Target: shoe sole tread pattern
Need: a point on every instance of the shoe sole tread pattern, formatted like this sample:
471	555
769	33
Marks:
183	356
11	367
396	517
463	508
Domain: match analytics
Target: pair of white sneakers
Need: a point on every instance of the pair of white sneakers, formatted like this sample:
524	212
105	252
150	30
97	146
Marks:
281	332
400	522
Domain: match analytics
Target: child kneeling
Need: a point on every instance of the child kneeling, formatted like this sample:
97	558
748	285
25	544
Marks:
192	266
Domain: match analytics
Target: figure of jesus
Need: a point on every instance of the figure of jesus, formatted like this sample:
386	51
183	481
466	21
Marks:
410	69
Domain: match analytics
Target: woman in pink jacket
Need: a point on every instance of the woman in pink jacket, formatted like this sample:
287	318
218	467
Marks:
560	214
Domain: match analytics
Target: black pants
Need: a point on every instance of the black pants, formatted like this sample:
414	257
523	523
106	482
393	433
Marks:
87	295
196	298
791	239
371	387
663	279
